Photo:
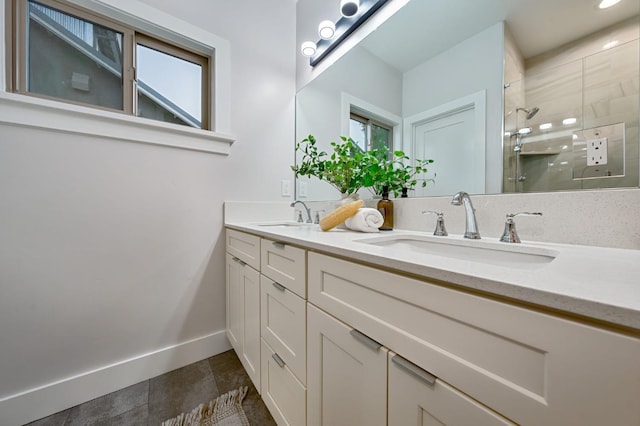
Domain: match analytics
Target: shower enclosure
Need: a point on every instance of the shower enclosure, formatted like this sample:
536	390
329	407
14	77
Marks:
571	120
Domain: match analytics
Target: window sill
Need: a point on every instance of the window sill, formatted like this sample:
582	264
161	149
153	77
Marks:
26	111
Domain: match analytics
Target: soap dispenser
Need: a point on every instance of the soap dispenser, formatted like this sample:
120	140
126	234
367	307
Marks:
385	207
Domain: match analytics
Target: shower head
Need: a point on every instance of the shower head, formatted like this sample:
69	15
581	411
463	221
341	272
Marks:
530	112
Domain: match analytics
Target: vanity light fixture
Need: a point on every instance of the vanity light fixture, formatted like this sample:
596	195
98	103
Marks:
546	126
604	4
308	48
569	121
354	13
349	8
326	30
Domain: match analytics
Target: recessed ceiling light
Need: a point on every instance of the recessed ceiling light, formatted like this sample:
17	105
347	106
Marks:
604	4
308	48
545	126
569	121
326	30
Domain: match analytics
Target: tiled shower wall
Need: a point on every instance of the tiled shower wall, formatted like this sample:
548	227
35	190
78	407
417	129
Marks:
598	87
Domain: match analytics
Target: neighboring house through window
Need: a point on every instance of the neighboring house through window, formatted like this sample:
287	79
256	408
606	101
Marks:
67	53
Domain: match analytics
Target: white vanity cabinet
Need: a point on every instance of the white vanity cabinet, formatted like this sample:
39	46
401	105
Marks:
283	331
416	397
530	367
347	374
243	314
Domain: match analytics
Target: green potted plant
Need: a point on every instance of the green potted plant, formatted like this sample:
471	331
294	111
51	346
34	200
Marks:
342	169
393	170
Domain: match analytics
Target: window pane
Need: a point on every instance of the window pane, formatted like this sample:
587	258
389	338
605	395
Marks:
358	132
169	88
73	59
380	136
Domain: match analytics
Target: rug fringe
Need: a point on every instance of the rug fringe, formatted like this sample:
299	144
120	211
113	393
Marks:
217	408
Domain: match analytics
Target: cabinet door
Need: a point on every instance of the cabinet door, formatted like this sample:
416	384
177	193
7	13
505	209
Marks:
234	304
346	374
243	315
416	397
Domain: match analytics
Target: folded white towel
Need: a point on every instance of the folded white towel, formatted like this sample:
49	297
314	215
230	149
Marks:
365	220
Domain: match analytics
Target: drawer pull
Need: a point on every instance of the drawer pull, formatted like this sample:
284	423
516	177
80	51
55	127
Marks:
366	340
279	286
241	262
414	369
278	360
278	244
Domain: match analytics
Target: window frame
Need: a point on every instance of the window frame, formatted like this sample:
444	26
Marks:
368	122
31	111
184	54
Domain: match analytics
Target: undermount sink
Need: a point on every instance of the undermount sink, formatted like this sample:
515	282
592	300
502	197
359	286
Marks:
286	224
495	253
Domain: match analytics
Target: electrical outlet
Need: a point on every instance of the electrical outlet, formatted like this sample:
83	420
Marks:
285	188
597	152
302	189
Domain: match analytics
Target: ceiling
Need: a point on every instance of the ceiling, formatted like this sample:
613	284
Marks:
424	28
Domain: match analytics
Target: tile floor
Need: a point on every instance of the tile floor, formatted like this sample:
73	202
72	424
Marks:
163	397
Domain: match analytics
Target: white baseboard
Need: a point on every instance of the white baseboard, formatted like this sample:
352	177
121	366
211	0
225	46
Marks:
51	398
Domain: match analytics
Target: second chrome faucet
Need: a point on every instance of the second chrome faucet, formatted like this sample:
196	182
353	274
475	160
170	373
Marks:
471	229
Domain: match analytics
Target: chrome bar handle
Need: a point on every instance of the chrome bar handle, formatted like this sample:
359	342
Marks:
241	262
414	369
278	360
279	286
365	340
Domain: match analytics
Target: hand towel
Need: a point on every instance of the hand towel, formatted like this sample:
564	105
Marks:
340	214
365	220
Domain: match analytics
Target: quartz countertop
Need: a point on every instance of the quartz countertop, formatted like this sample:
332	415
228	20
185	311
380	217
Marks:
593	282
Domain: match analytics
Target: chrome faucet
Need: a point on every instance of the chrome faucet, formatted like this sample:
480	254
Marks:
307	209
471	229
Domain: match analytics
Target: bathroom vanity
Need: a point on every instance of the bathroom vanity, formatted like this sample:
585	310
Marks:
405	328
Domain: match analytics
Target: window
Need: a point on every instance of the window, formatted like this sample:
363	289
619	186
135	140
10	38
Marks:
73	55
369	133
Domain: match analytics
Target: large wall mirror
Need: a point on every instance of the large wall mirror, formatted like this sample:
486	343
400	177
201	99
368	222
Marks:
504	95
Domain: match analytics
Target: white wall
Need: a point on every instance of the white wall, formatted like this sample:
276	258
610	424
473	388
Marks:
111	252
469	67
319	109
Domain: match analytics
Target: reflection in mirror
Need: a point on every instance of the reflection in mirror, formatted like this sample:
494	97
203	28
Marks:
575	99
497	98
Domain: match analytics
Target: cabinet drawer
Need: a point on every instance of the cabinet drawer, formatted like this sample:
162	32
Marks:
413	398
285	264
284	325
282	393
245	247
532	367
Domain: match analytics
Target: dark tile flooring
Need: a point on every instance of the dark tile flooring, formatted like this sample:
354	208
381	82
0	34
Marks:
155	400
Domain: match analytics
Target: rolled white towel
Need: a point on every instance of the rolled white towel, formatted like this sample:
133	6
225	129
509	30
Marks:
365	220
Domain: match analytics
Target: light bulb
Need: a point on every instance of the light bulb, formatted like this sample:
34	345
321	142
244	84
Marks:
569	121
348	8
546	126
326	30
308	48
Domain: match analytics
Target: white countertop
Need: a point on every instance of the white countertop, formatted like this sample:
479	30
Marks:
594	282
